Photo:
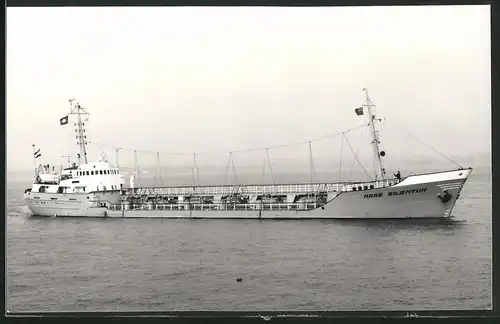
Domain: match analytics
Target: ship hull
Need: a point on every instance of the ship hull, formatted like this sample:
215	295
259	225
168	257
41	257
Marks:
415	197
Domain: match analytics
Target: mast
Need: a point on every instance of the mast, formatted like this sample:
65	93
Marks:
380	171
117	150
80	137
34	161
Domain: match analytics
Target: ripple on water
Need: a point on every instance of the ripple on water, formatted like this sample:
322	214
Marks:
126	264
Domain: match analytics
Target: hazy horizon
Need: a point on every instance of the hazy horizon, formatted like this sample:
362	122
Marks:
186	79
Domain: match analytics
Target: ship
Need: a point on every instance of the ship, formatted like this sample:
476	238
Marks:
96	189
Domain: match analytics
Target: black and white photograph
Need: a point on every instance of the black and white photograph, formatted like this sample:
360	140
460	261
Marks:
248	158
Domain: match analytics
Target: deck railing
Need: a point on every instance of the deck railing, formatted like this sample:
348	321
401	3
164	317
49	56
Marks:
213	207
261	189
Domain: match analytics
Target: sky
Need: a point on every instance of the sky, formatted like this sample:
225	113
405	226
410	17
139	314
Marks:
222	79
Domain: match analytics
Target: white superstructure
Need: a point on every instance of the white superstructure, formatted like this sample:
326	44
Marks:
77	187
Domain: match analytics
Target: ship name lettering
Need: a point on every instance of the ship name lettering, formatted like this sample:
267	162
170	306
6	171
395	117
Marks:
407	192
377	195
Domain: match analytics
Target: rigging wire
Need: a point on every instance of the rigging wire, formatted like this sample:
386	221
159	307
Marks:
234	171
357	151
242	150
270	168
230	163
341	149
267	156
264	169
158	170
356	156
227	166
137	171
427	145
312	169
195	169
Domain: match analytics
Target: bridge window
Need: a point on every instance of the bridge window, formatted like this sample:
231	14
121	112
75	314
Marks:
91	172
87	172
100	172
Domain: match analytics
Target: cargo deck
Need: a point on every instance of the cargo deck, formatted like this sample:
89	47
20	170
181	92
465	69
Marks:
299	189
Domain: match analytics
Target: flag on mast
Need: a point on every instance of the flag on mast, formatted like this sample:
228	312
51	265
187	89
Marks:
37	154
359	111
64	120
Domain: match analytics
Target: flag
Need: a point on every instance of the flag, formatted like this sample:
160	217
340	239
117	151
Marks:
37	154
64	120
359	111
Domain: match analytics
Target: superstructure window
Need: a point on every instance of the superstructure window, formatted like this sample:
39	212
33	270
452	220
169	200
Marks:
91	172
87	172
100	172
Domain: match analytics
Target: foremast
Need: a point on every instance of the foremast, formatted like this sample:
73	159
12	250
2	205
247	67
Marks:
378	167
81	138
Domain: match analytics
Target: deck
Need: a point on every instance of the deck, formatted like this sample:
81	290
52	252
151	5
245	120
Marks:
306	188
213	207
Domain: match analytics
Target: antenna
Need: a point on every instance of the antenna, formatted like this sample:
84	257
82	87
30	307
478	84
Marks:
375	140
66	156
117	150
